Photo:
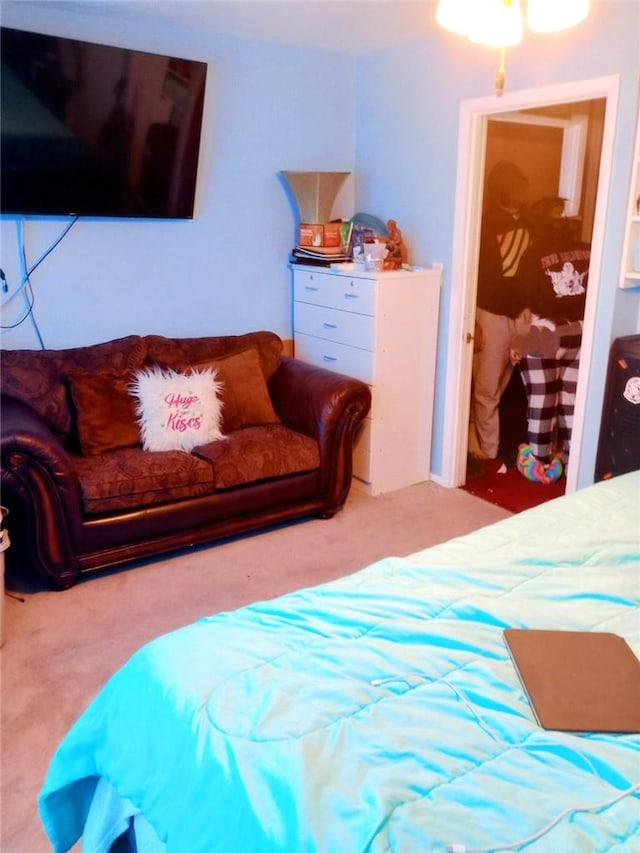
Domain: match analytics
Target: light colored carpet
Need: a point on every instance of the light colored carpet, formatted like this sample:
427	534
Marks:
61	647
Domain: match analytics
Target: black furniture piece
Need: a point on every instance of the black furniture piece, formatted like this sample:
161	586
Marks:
619	443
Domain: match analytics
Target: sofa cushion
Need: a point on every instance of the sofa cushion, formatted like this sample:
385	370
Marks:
259	453
38	377
175	352
105	411
177	411
244	393
131	478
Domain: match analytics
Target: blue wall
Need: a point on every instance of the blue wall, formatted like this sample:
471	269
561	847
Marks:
390	117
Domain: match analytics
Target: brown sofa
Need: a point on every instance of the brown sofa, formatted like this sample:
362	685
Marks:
83	495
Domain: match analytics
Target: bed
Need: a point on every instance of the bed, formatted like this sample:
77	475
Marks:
379	712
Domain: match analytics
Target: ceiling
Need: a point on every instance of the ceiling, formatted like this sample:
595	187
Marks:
348	26
351	26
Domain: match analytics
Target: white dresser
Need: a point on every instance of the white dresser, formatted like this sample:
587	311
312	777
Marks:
382	328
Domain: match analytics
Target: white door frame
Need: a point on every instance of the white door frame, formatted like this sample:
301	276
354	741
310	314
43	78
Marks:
472	137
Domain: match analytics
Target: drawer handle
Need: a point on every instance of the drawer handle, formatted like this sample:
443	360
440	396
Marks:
350	295
329	358
308	287
330	325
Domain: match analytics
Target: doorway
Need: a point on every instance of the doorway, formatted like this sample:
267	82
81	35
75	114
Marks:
472	159
557	149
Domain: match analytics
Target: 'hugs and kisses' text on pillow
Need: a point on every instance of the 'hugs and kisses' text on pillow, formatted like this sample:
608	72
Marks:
177	411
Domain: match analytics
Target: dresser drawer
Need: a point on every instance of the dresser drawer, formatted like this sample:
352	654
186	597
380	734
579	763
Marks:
333	291
342	359
343	327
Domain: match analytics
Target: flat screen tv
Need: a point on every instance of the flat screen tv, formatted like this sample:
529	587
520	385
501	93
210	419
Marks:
94	130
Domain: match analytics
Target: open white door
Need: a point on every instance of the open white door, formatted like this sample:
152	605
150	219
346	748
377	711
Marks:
464	270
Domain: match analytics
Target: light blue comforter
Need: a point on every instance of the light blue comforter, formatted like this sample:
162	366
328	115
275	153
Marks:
379	712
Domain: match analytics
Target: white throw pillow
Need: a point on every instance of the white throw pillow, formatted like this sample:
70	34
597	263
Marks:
177	411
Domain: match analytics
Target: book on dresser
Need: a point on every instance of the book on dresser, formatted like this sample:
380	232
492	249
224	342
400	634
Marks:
382	328
316	257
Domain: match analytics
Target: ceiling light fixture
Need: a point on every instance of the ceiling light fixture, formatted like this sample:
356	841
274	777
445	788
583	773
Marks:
499	23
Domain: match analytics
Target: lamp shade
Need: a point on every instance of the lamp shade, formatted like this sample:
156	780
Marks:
547	16
314	193
498	23
494	23
454	15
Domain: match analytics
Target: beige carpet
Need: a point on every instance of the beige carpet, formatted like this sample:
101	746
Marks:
60	647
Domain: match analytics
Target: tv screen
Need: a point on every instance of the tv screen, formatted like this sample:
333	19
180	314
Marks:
93	130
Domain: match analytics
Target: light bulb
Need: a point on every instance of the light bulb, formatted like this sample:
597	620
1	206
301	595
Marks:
547	16
496	23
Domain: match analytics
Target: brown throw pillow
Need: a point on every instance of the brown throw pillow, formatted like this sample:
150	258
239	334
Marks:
245	396
105	411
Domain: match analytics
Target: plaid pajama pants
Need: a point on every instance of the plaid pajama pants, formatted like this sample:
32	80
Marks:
550	385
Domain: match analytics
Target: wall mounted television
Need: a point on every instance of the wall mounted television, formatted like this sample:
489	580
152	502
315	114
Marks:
99	131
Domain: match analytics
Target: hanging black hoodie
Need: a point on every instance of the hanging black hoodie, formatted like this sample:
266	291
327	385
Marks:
554	271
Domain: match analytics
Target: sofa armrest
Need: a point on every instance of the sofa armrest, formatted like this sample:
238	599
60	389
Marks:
42	492
326	406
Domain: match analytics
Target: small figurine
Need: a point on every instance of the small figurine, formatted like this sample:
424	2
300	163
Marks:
397	255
